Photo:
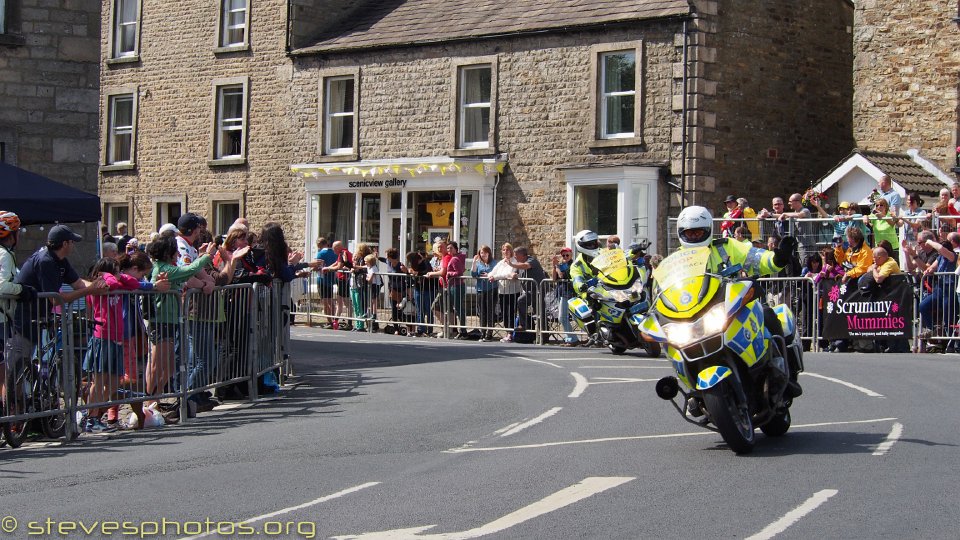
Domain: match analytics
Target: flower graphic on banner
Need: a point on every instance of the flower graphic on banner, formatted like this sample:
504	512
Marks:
843	289
894	307
829	307
834	293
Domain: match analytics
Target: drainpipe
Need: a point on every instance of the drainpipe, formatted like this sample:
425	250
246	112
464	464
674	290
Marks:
683	114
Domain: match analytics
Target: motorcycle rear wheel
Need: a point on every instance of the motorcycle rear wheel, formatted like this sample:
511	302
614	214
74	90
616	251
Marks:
778	425
731	417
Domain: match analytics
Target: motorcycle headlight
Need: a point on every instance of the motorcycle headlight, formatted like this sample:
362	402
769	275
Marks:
682	334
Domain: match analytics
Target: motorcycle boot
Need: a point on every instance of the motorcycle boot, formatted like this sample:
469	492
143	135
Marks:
773	325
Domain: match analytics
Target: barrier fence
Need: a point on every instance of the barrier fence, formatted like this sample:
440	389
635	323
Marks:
70	362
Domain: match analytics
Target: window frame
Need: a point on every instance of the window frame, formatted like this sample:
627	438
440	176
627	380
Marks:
458	148
463	107
165	200
108	204
107	129
325	153
598	136
219	85
221	35
10	31
113	35
222	198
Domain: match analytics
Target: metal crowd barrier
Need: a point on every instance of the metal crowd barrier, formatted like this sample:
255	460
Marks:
937	309
66	364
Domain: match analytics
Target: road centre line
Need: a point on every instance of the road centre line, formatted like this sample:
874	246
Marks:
325	498
643	437
532	422
866	391
894	435
565	497
624	367
581	385
794	515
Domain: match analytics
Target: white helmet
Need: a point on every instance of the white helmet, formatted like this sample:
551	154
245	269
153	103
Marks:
695	226
587	243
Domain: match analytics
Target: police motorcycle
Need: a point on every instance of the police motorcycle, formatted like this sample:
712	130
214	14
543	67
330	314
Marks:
737	374
619	295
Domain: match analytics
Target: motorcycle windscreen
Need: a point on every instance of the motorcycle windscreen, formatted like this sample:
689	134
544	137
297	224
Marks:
685	288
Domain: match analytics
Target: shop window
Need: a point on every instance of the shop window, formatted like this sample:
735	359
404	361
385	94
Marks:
469	201
126	29
335	216
225	213
121	132
339	115
370	219
474	107
229	145
233	24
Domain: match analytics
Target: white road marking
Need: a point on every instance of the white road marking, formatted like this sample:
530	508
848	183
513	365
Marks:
507	428
643	437
794	515
615	380
565	497
581	385
537	361
292	508
894	435
866	391
517	428
623	367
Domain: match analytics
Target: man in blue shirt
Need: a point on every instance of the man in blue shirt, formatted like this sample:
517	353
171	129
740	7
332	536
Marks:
326	278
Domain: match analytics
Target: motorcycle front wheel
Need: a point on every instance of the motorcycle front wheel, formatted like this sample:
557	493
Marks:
652	348
778	425
731	416
617	350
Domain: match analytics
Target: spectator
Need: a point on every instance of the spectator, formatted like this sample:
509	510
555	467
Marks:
941	297
325	281
281	262
813	266
804	228
483	263
751	215
779	227
164	326
740	234
831	268
105	235
733	212
449	299
122	237
883	267
374	284
419	268
883	224
613	241
856	258
110	250
890	195
397	287
527	268
920	255
9	235
508	288
342	270
911	220
359	293
945	212
564	291
104	358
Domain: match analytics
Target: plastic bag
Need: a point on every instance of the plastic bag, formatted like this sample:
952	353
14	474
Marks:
151	416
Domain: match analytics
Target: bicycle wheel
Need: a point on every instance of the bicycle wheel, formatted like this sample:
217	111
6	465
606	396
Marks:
52	399
20	402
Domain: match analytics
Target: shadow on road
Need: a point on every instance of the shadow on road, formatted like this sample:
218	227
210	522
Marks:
822	443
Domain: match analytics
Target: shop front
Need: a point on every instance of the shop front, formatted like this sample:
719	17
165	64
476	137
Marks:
408	203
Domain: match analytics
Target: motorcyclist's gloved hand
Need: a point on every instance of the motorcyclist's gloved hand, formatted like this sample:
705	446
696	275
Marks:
27	293
784	251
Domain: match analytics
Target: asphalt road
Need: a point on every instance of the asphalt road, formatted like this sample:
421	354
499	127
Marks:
389	437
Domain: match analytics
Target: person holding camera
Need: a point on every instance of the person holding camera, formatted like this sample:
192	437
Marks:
884	225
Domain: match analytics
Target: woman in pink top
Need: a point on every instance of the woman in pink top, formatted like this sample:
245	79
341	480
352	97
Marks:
104	358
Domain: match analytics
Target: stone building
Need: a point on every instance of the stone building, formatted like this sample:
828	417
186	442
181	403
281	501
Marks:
49	91
906	58
399	122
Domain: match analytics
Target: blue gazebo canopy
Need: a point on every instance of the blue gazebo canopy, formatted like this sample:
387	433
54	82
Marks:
38	199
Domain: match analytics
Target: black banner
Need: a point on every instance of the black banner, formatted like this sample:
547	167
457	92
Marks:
849	313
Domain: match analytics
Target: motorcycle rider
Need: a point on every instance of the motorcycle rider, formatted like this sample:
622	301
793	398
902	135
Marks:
581	271
695	229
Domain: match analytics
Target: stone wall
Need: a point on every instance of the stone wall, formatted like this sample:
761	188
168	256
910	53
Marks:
905	75
175	77
772	92
49	91
544	112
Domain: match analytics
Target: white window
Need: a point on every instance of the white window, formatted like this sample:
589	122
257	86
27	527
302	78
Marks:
618	88
339	115
117	213
224	214
474	107
168	212
120	138
125	25
231	122
233	31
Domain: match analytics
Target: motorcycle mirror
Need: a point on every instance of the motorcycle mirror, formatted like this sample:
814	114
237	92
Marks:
667	388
